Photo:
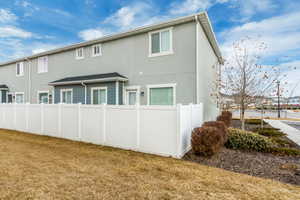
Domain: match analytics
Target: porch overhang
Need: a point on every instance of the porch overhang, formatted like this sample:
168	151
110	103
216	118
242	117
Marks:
96	78
3	87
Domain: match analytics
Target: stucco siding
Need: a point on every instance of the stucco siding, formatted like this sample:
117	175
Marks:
127	56
207	66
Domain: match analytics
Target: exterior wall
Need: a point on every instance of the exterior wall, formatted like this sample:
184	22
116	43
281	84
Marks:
207	74
79	92
127	56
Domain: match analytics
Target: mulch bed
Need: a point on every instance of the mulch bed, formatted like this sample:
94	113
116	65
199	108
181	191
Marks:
282	168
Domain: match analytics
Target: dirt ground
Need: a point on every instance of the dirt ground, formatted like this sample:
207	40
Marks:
38	167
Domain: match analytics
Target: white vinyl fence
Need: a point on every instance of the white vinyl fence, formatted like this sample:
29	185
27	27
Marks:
161	130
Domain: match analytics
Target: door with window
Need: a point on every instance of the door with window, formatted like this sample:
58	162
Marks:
131	97
19	98
161	95
43	97
99	95
66	96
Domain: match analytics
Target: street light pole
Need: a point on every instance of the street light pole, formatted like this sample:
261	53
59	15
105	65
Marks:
278	98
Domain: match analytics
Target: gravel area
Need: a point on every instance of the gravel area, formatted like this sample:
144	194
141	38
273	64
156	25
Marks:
281	168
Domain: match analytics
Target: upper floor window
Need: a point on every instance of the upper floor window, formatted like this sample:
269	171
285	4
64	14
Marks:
43	64
160	42
20	69
96	50
19	97
79	53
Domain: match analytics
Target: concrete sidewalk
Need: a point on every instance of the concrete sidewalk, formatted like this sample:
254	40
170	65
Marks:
292	133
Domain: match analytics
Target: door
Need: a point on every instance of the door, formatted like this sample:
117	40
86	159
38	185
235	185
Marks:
132	97
9	98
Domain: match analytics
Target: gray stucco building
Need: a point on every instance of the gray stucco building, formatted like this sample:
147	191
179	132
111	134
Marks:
163	64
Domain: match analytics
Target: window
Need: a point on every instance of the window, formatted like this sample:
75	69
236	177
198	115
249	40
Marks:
20	69
19	97
99	95
160	42
96	50
43	64
66	96
43	97
161	94
79	53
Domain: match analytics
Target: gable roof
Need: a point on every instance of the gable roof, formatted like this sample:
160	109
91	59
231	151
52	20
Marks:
90	79
202	17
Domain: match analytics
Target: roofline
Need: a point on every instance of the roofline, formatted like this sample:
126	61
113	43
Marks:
202	15
88	81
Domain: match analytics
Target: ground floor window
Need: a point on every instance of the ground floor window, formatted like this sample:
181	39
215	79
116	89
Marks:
161	94
19	97
43	97
66	96
99	95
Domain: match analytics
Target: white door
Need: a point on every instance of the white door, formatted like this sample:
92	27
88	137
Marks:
131	97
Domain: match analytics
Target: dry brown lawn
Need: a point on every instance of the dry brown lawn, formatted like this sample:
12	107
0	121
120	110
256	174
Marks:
38	167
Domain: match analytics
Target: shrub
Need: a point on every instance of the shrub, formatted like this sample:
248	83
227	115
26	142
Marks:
225	117
285	151
254	121
280	141
207	140
270	133
221	126
246	140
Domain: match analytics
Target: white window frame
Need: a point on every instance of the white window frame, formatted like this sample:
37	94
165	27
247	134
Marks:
130	88
173	85
38	95
21	64
42	66
92	94
66	90
171	42
18	93
76	52
100	50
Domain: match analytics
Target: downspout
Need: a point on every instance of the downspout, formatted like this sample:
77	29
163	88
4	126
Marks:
29	79
197	58
85	92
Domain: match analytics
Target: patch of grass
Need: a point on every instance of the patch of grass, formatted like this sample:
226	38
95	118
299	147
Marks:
285	151
38	167
254	121
270	132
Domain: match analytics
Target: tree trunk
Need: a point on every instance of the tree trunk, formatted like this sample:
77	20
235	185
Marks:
262	117
243	116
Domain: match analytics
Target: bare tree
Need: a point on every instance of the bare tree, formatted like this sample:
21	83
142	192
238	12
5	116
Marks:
243	76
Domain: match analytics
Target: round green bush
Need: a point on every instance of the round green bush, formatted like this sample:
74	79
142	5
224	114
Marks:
246	140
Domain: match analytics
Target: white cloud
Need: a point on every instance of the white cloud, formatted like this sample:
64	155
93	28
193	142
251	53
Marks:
190	6
291	83
91	34
7	17
281	33
11	31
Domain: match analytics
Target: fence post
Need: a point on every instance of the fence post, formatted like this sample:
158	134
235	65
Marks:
42	118
15	117
178	135
79	121
27	116
59	119
138	125
104	123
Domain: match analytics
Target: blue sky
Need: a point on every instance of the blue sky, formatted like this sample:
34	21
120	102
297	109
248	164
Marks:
32	26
